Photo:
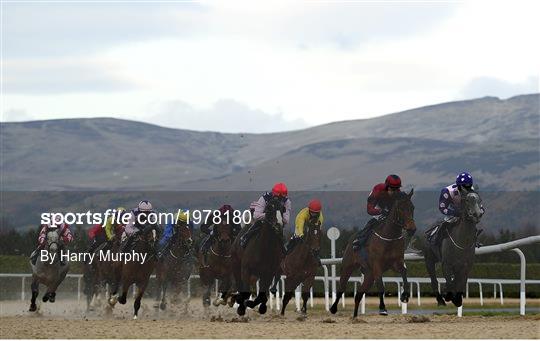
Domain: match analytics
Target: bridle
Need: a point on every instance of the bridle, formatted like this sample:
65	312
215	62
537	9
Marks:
394	220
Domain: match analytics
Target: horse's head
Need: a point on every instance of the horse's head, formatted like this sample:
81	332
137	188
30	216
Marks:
53	238
313	236
273	211
402	212
471	206
184	233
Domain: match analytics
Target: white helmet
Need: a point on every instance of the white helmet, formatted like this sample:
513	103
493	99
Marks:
144	206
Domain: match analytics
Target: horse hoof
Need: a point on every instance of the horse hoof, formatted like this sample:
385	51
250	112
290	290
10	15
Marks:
45	298
383	312
262	309
52	297
134	317
405	297
440	301
458	301
218	301
206	302
112	301
250	304
241	310
122	299
33	307
333	309
162	306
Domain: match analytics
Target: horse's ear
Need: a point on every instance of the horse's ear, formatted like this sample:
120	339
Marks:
411	193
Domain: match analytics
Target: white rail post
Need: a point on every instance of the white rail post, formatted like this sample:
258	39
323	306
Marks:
311	297
522	284
79	289
23	289
494	291
466	290
333	235
418	292
481	294
326	295
501	293
363	305
189	287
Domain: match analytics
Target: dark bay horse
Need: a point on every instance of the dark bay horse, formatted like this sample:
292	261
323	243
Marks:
300	265
136	273
219	260
260	259
102	272
385	250
175	266
457	251
51	275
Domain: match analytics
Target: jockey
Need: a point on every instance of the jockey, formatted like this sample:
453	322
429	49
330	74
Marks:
64	234
140	213
311	216
450	206
114	226
101	233
171	231
96	235
279	192
379	203
209	228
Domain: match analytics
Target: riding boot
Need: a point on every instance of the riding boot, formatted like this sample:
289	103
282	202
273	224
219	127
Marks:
249	233
363	234
34	256
61	251
478	232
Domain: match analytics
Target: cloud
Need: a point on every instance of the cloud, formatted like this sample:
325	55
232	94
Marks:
60	29
15	115
488	86
224	116
43	77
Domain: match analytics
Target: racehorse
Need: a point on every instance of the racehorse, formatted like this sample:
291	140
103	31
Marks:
136	273
300	265
259	260
385	250
102	272
51	275
457	251
219	265
175	266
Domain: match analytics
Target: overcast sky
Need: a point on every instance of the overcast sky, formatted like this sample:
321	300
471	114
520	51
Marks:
260	66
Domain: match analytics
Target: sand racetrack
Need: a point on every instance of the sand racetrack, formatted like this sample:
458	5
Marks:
222	322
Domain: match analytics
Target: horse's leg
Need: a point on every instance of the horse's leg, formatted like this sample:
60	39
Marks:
430	267
346	272
206	294
123	297
364	288
35	293
290	284
460	282
141	287
306	286
163	300
263	298
402	269
382	306
447	272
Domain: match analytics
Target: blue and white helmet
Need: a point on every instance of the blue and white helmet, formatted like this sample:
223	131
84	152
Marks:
464	179
144	206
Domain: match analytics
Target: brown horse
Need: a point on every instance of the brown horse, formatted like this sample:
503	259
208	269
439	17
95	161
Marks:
136	273
385	250
102	272
300	265
219	265
260	259
175	266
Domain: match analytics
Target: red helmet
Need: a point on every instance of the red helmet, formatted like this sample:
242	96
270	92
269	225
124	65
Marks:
393	181
280	189
315	206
